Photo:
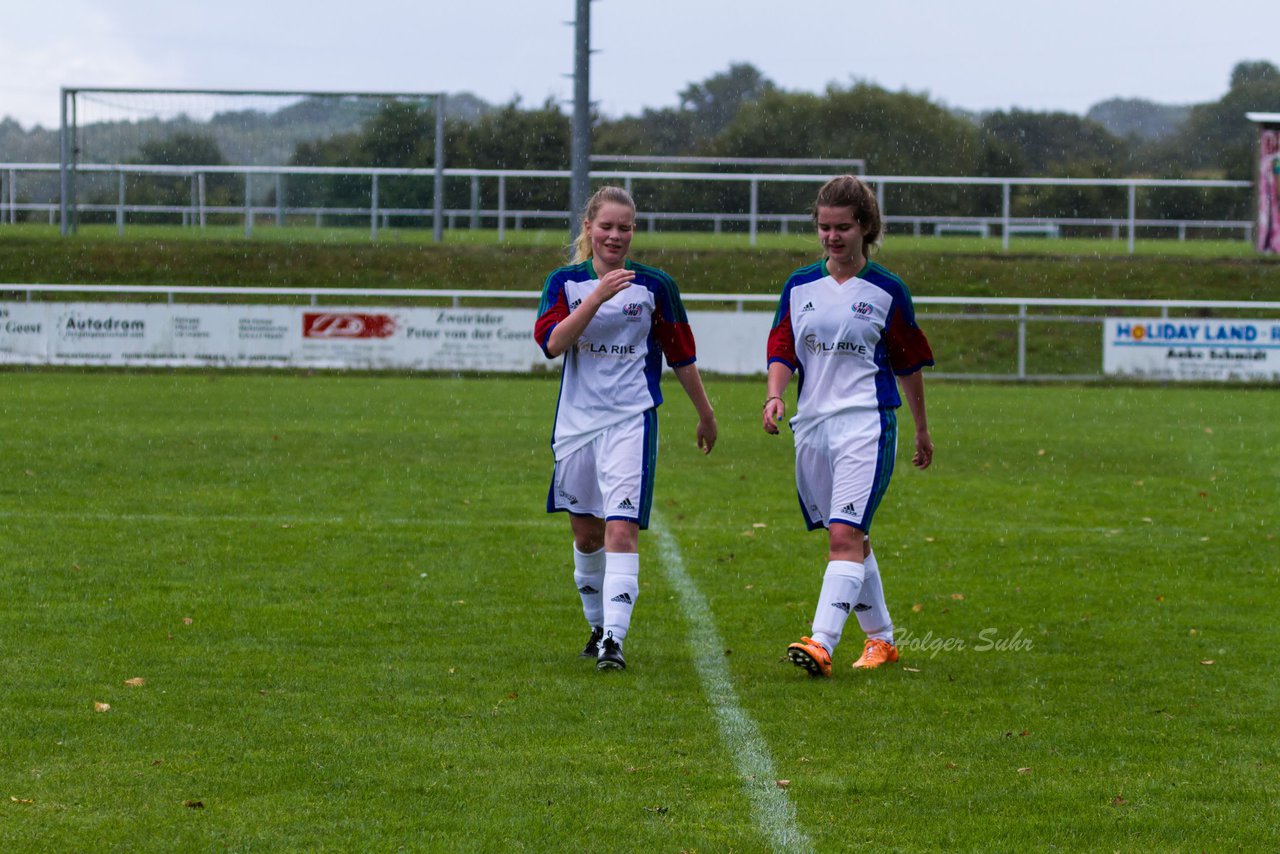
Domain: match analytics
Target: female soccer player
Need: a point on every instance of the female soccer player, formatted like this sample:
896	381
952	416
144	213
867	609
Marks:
613	320
847	325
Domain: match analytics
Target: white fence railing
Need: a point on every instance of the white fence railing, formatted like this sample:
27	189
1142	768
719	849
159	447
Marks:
196	213
1024	313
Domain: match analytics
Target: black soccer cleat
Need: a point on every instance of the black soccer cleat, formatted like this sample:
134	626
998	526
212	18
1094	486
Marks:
592	649
610	657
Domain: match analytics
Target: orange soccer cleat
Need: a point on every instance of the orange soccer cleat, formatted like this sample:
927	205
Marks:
875	653
810	655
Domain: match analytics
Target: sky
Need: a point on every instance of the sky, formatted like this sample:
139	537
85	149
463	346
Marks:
970	54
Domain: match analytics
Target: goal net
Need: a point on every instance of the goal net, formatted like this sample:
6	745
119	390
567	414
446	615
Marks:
143	145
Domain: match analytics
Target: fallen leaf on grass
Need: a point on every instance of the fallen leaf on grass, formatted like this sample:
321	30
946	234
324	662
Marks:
135	682
957	595
193	805
186	621
286	525
759	525
748	533
1024	733
101	707
658	810
1208	431
1026	770
917	608
1207	661
1118	801
912	669
511	695
22	800
953	766
782	784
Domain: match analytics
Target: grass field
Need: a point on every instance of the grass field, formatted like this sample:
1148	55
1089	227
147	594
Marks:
358	630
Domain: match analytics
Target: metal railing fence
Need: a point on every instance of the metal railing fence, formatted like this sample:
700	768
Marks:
197	212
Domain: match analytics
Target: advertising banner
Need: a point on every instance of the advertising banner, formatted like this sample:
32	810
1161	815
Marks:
164	335
1267	232
1192	349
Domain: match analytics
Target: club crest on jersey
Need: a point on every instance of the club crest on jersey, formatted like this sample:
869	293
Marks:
632	310
863	309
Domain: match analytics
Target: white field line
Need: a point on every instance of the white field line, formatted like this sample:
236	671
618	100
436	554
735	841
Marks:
774	813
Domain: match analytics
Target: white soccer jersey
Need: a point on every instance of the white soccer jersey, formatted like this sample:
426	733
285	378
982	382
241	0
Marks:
846	341
612	372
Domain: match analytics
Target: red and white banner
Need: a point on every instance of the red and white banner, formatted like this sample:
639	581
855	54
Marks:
427	339
165	335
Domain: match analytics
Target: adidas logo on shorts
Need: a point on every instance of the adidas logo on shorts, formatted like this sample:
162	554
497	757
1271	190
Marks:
850	509
624	598
843	606
625	504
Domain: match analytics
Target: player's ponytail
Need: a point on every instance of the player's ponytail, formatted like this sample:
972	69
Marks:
582	245
848	191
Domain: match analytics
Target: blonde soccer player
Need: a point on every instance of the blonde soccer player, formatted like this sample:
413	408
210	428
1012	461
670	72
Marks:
613	320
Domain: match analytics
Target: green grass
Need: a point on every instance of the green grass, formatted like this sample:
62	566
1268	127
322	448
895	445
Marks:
797	239
358	628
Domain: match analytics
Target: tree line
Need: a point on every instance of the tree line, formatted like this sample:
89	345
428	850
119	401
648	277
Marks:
740	113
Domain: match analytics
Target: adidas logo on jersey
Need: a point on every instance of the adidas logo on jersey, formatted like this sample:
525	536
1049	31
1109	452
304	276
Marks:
843	606
625	504
624	598
807	307
587	589
850	509
575	304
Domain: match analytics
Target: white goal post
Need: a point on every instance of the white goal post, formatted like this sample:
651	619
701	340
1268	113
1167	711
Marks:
260	127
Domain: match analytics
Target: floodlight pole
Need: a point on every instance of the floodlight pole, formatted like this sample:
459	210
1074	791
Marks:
437	231
580	151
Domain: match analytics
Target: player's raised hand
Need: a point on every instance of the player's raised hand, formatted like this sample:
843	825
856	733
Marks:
613	283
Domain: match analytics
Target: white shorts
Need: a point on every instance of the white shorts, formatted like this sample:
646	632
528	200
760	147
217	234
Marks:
611	477
843	466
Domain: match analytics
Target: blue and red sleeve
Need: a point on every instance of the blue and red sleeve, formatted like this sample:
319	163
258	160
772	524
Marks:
671	324
781	346
905	342
553	309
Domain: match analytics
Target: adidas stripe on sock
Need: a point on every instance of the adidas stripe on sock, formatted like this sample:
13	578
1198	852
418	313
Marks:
841	584
873	613
588	576
621	586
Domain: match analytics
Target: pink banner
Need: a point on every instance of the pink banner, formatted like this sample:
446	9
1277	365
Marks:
1268	229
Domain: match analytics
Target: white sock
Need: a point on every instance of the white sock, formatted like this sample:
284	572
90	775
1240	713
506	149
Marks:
588	575
621	586
840	585
873	613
